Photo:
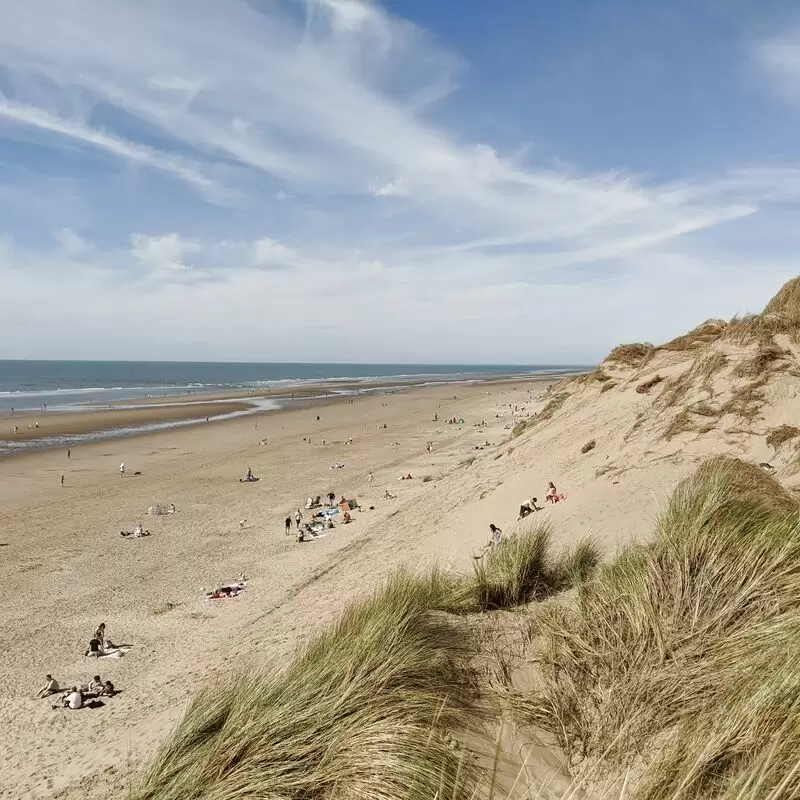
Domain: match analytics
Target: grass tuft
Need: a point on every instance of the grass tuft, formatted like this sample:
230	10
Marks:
633	355
366	710
679	659
784	433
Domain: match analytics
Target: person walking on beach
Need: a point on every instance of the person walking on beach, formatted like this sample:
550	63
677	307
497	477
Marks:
371	479
62	480
288	524
298	516
69	454
122	469
331	498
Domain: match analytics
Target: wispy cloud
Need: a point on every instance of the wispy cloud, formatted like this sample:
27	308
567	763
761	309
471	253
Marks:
318	120
79	131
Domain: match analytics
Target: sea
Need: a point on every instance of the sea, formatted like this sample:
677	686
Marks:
84	385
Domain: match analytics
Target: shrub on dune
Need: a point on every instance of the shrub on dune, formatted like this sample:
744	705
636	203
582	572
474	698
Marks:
680	659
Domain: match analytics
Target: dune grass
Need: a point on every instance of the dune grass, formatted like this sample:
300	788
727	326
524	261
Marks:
783	433
680	659
520	569
635	354
365	711
645	386
370	707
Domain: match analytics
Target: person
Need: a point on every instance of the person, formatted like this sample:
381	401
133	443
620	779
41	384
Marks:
497	534
552	495
95	686
331	498
107	690
138	530
317	418
347	518
50	687
122	469
62	480
171	509
100	633
288	524
298	516
249	475
388	496
371	479
69	454
73	700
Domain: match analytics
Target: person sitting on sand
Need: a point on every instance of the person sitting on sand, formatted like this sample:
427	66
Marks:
387	495
138	530
96	648
50	687
95	686
107	690
72	700
552	495
249	475
346	519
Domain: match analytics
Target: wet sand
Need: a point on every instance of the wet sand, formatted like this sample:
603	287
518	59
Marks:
59	423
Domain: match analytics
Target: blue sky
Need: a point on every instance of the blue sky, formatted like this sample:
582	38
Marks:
516	181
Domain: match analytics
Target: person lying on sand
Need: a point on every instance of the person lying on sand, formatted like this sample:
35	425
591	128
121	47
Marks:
137	533
407	477
227	590
387	495
51	687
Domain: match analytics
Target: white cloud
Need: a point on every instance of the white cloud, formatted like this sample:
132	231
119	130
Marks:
396	188
162	253
268	252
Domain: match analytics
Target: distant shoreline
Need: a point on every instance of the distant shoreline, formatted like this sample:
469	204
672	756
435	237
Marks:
139	416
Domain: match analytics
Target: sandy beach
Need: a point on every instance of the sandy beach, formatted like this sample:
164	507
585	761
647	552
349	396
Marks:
65	568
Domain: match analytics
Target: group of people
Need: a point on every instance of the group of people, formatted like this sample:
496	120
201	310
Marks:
551	496
137	533
100	645
76	697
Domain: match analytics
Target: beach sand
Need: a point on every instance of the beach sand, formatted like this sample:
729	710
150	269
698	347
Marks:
65	568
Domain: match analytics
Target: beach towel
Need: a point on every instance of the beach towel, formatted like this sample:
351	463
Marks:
327	512
117	652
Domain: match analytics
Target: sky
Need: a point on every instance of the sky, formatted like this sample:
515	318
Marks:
516	181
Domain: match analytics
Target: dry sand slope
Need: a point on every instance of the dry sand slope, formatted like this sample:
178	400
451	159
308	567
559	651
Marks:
615	441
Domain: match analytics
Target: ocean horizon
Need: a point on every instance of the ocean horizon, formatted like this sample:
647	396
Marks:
28	384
